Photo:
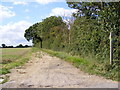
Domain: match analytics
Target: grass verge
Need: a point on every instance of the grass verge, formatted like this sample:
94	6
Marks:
89	66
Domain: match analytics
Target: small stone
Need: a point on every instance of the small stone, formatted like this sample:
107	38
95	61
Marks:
58	65
1	80
30	85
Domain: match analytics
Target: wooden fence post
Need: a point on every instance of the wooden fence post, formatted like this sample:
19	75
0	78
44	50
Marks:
111	49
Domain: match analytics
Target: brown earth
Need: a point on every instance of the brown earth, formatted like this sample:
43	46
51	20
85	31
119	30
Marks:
44	71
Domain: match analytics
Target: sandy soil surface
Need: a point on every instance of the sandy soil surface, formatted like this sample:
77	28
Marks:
44	71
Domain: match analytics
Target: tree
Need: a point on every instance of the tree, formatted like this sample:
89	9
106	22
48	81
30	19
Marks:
26	46
20	46
108	18
52	26
32	34
41	32
87	9
3	45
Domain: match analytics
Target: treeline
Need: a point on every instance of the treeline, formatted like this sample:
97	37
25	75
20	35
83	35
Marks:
87	35
19	46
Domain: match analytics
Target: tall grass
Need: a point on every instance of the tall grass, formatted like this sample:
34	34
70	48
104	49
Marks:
89	65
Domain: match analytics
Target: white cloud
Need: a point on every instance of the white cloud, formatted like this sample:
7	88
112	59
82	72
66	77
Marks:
5	12
13	33
66	14
62	12
20	3
48	1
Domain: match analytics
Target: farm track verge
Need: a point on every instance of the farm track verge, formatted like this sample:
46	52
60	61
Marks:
45	71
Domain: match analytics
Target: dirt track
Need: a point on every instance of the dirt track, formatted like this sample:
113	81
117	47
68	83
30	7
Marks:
51	72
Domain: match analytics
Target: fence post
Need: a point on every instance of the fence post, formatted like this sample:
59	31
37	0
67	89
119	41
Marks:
111	49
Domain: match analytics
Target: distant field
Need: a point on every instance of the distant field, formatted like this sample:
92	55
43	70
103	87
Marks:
12	54
12	57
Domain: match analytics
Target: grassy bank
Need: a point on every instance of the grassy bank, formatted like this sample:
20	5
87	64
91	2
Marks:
88	65
13	57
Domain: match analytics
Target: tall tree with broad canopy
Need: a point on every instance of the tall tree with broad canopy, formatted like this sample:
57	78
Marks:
40	32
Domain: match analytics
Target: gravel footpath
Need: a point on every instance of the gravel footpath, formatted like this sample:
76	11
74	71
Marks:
44	71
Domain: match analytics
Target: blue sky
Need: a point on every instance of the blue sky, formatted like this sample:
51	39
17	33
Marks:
16	16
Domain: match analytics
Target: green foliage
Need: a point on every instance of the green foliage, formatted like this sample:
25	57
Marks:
91	35
47	32
87	9
4	71
88	35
